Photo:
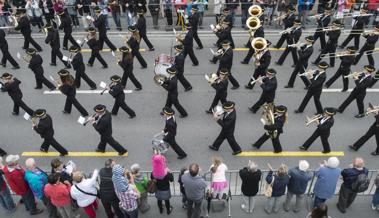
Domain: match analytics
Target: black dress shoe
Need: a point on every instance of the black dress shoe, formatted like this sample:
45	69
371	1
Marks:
37	87
131	117
199	48
64	48
237	152
325	152
15	67
43	150
248	87
374	153
170	210
67	67
208	112
359	115
195	65
65	112
15	113
101	151
293	65
288	86
63	154
53	64
151	49
252	110
244	62
352	147
52	88
277	63
255	146
90	65
105	67
187	89
212	62
297	111
122	153
3	154
212	148
277	152
344	90
302	148
341	47
138	89
183	116
143	67
182	157
235	87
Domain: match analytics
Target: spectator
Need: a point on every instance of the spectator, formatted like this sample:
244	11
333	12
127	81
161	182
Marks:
232	5
245	5
5	10
217	7
15	176
163	177
200	4
279	183
282	8
154	11
83	7
48	11
58	5
108	195
167	6
219	182
37	180
327	176
126	193
194	186
85	193
269	10
59	195
128	9
372	7
19	3
299	178
140	181
319	212
182	190
250	177
57	166
115	9
375	197
35	13
180	5
354	179
71	8
6	199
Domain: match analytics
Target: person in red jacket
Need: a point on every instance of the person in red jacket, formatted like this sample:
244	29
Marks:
14	174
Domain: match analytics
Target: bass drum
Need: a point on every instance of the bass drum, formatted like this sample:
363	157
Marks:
162	62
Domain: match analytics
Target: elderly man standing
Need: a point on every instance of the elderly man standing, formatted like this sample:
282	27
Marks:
355	180
14	174
194	186
37	179
6	199
299	178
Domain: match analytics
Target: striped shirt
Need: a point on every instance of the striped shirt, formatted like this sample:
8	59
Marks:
128	199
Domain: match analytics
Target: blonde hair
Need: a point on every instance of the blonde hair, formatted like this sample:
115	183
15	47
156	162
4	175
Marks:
77	176
217	161
282	170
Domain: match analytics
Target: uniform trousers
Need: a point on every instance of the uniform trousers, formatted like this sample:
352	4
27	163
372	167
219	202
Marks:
275	142
73	101
314	136
17	103
96	54
216	99
230	77
299	69
354	34
354	96
197	39
7	57
175	101
340	72
50	140
257	73
189	50
369	49
261	101
140	59
285	53
82	75
183	80
57	53
124	106
316	97
28	39
132	78
231	139
373	130
147	41
283	38
178	150
104	38
321	35
331	49
112	142
66	38
41	79
249	54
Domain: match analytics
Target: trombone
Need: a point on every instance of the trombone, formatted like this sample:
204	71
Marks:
372	109
280	17
313	119
260	79
286	31
296	45
316	16
308	73
337	54
354	74
218	53
93	119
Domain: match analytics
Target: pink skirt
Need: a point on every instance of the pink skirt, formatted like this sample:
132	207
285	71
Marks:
219	185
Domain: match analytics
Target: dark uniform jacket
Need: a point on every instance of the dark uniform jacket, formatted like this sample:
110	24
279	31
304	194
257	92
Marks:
13	89
126	64
371	39
100	24
361	84
188	39
316	82
221	88
346	62
288	21
260	32
264	61
359	22
194	21
35	64
24	25
225	34
68	90
324	128
45	127
295	35
117	91
104	124
171	85
278	124
53	39
134	44
170	129
93	44
226	60
77	62
141	24
269	88
305	53
333	36
66	24
323	22
3	41
228	123
179	62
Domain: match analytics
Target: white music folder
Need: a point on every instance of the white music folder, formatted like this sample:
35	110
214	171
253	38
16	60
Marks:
81	120
103	85
79	41
18	55
26	116
65	58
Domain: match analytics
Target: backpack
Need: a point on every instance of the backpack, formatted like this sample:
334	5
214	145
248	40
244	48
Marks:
361	184
151	186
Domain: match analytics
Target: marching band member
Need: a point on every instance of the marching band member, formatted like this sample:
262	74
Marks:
292	38
126	63
24	27
171	85
224	34
93	44
373	130
375	78
80	68
6	55
227	121
141	26
179	65
304	53
322	22
262	62
44	127
369	46
188	44
268	85
12	86
67	87
358	28
100	24
259	32
226	61
274	130
66	26
221	87
288	22
102	122
170	132
362	82
344	69
116	89
317	79
133	42
332	43
194	19
35	65
324	124
52	38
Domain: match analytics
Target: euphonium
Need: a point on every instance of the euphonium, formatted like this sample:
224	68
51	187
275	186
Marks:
260	78
255	10
27	58
253	23
259	44
35	121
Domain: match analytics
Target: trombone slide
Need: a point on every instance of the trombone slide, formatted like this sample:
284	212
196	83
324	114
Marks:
312	119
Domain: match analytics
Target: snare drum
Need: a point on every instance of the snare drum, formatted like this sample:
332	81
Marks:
162	62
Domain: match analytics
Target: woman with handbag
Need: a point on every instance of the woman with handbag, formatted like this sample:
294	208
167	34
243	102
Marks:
163	177
275	187
84	191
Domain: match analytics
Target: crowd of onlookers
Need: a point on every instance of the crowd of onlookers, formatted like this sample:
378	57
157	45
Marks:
124	191
39	9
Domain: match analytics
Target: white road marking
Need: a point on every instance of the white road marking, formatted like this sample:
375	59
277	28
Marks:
56	92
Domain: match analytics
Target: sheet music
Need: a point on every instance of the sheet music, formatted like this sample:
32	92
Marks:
26	116
103	84
81	120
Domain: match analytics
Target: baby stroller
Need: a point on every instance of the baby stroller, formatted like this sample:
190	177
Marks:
159	144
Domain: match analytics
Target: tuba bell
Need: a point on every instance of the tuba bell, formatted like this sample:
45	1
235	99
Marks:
255	10
259	44
253	23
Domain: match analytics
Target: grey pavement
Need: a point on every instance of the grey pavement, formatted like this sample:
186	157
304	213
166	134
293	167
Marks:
195	132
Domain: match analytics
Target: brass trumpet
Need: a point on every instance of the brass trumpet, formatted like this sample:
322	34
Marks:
255	10
260	78
338	54
354	74
372	109
35	121
27	58
280	17
313	119
296	45
307	73
288	30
